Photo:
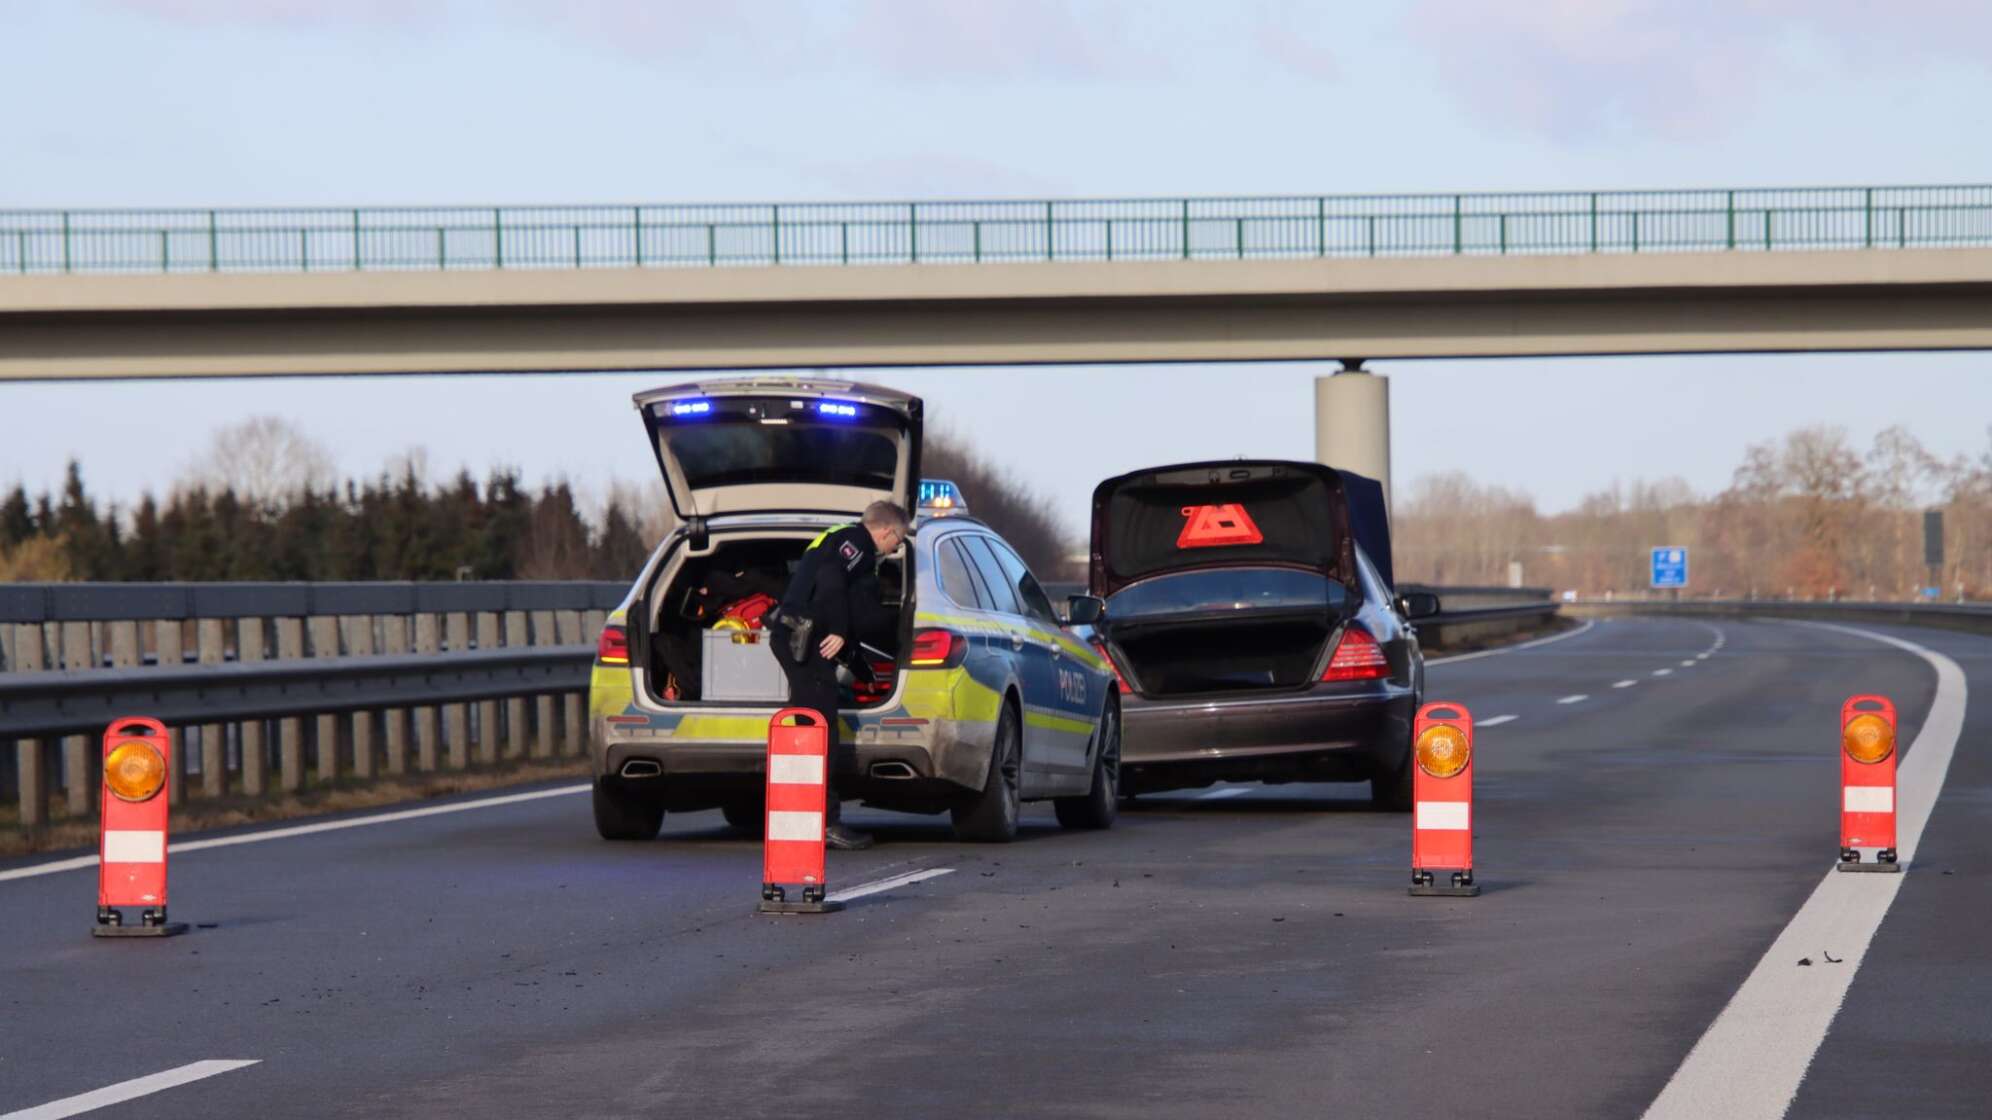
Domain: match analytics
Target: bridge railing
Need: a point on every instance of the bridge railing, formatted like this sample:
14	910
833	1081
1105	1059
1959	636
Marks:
815	233
274	687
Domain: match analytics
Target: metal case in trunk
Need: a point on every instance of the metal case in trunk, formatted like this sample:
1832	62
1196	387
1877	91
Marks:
738	665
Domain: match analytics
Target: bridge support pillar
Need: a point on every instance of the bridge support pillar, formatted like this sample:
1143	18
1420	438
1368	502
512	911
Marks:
1352	422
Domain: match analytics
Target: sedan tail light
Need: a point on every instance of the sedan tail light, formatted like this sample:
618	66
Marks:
612	648
1357	657
1120	679
937	649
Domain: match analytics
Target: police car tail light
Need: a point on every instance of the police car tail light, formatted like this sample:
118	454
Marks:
612	648
1357	657
937	649
1101	649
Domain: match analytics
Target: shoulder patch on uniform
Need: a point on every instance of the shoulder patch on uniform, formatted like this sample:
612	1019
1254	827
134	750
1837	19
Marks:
849	549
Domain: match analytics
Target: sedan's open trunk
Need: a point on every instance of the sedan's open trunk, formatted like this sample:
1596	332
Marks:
1179	654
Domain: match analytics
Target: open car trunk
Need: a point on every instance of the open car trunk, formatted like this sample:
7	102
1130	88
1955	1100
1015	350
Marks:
1229	576
704	644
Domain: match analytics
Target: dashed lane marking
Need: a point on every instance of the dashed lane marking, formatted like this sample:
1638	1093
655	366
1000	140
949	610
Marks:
878	885
1624	684
127	1090
1457	657
1661	672
1689	663
1577	699
1748	1064
1495	721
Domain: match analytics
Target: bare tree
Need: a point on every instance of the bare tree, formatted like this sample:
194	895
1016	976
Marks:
265	460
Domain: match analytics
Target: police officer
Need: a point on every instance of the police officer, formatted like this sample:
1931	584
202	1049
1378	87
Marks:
832	598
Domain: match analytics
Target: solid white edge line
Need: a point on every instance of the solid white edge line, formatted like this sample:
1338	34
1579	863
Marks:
1577	699
1495	721
1751	1060
1457	657
79	862
877	885
129	1090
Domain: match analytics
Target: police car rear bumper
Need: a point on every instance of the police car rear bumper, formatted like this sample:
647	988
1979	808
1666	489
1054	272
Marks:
909	761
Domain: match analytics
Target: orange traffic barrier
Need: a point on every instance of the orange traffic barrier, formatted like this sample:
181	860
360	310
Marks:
1867	783
792	846
1442	800
131	840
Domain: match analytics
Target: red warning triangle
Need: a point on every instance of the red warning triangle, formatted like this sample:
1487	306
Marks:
1216	526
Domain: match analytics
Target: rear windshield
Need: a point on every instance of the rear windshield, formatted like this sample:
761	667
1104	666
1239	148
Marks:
1228	589
725	452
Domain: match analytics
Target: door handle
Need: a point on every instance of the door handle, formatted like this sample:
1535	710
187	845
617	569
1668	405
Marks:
1016	641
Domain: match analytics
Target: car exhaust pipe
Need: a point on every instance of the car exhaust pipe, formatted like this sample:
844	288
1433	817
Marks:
897	771
641	768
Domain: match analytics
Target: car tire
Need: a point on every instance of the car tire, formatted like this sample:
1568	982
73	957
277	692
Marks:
990	817
1101	804
750	818
621	814
1390	790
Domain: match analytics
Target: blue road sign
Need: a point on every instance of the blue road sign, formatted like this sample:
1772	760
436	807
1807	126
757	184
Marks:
1670	567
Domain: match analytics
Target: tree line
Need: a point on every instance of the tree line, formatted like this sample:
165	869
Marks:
263	505
1808	515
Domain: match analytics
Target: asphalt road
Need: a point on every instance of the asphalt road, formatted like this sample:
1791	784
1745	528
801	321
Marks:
1241	951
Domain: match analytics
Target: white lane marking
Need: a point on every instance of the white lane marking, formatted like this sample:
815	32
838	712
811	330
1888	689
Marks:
1688	664
1511	649
1577	699
877	885
79	862
1495	721
1624	684
128	1090
1444	816
1228	791
1661	672
1751	1059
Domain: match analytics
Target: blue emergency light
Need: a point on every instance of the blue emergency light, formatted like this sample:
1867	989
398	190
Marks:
691	408
940	497
837	409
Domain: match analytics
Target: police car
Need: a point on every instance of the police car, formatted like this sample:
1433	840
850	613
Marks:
969	696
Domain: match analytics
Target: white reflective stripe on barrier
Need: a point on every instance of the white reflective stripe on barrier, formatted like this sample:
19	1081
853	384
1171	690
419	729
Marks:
1444	815
795	769
1869	799
134	847
795	826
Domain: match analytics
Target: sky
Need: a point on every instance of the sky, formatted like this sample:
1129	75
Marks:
135	103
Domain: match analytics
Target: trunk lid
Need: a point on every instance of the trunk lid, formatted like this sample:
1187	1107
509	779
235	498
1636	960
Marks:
787	444
1235	514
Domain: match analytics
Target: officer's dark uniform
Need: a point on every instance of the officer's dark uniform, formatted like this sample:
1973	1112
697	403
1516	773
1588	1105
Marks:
836	587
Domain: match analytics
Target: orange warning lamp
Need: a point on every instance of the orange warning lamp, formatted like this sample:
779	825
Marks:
134	771
1868	738
1443	750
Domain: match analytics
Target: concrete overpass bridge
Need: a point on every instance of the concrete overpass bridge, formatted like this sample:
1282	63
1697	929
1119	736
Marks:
216	293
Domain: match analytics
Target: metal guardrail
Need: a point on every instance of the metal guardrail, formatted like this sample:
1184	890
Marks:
710	235
28	603
1973	617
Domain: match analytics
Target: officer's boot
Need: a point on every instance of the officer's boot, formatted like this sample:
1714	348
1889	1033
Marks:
836	833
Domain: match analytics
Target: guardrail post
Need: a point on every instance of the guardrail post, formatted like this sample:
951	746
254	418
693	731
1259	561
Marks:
487	710
79	769
456	717
325	643
394	721
290	729
31	756
543	736
427	639
573	704
249	646
360	643
515	707
212	650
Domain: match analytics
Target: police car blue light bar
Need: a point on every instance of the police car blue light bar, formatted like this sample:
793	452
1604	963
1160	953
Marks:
940	498
838	409
691	408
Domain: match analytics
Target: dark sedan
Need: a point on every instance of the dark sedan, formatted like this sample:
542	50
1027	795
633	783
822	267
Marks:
1251	617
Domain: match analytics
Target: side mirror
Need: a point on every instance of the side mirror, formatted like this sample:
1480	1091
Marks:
1415	605
1084	610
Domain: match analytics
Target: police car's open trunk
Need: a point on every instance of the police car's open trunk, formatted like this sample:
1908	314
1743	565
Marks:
740	459
1223	577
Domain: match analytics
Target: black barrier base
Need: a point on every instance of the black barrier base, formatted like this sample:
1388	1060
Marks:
774	900
153	923
1461	885
1881	867
1884	861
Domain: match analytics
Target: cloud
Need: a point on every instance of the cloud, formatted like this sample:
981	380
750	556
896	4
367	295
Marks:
281	13
1572	69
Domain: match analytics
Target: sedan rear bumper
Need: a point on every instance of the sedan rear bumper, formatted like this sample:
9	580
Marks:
1331	732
